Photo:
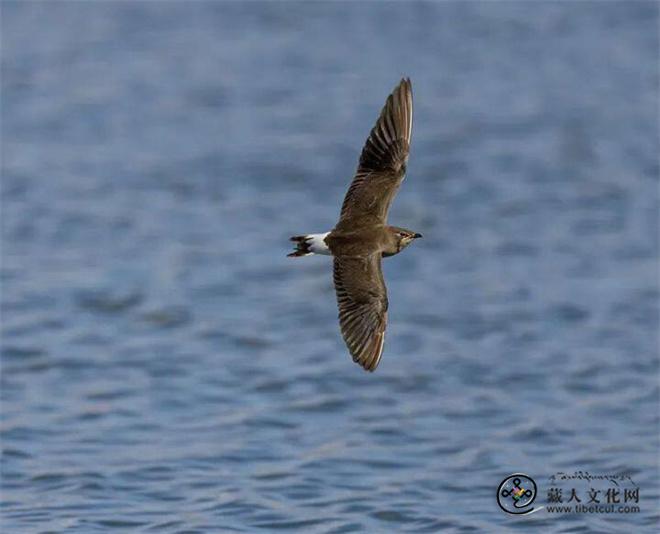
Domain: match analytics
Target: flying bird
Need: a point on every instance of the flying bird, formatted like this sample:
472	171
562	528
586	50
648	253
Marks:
362	236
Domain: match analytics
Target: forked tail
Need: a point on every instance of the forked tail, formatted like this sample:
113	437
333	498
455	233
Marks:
302	246
309	244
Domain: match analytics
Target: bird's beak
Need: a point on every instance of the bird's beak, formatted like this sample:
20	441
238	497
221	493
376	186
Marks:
417	236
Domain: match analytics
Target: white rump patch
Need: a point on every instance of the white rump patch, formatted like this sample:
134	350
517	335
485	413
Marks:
317	244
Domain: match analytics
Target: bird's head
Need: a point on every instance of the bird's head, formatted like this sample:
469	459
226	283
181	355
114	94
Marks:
404	237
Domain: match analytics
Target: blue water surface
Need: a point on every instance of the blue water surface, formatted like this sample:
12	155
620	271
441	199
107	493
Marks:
165	368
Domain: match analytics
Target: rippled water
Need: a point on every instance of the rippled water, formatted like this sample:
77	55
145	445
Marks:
166	368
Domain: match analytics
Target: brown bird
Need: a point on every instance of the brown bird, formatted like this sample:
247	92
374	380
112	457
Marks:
362	237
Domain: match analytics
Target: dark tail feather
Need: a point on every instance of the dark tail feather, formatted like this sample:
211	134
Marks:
302	246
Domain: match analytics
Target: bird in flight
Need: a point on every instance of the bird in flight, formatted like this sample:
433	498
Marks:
362	236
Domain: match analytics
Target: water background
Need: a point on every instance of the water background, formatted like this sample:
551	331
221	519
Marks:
166	368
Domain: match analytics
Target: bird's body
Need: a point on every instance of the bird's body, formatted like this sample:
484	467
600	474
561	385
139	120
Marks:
362	236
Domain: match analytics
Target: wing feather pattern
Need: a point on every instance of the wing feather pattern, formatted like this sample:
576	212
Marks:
383	160
362	302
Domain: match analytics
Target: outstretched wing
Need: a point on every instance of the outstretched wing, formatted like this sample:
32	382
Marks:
382	162
362	301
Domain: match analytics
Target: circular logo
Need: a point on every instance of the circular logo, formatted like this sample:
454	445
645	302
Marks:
516	494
